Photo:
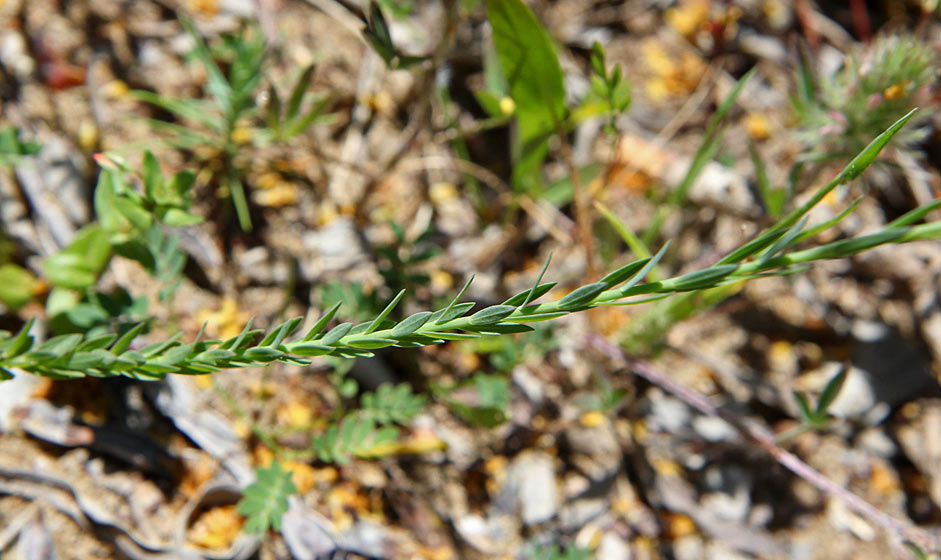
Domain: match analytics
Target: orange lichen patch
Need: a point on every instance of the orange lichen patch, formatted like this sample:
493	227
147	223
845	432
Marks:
610	320
197	472
295	414
639	431
380	102
262	455
281	195
592	419
622	506
680	525
883	480
262	389
242	135
442	192
666	467
688	17
241	428
757	126
437	553
303	475
115	89
911	410
495	467
441	281
638	154
630	179
421	442
43	388
87	134
227	322
326	475
205	8
671	77
268	180
216	528
346	497
896	91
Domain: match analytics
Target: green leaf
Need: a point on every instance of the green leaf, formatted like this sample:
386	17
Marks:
500	328
153	177
392	403
531	67
108	215
336	333
321	322
859	163
830	392
446	313
385	313
524	298
625	272
294	104
174	217
264	502
701	279
17	286
372	343
492	314
803	407
273	113
410	324
772	198
452	313
193	110
262	354
532	291
124	341
78	265
710	143
218	86
20	343
581	297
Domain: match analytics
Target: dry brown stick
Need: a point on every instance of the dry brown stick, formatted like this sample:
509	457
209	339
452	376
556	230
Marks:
582	214
765	439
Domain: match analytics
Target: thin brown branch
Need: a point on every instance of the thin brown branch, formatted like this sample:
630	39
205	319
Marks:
765	439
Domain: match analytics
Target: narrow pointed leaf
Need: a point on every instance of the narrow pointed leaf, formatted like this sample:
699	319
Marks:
385	313
321	323
454	302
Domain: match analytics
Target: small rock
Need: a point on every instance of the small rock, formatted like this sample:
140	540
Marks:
530	488
613	547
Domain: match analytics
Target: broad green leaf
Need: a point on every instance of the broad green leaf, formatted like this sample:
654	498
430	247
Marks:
17	286
531	67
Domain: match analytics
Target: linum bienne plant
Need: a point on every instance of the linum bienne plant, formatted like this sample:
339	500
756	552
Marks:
366	431
772	252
